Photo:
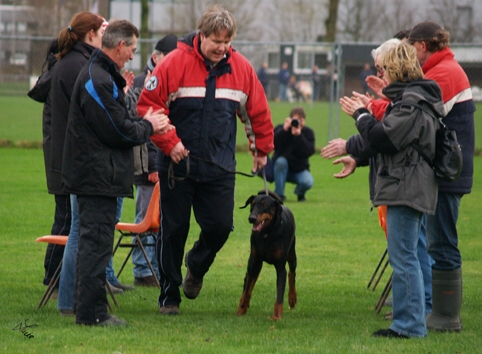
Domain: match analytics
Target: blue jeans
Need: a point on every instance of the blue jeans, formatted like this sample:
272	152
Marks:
303	180
425	264
141	269
442	237
283	92
403	228
67	275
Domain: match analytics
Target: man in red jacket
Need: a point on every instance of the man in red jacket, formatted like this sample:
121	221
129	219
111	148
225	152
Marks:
438	63
202	86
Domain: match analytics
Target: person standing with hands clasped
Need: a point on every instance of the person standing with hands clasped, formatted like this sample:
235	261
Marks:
202	85
405	182
294	144
98	163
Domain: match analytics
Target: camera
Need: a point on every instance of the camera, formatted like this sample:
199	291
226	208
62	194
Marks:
295	123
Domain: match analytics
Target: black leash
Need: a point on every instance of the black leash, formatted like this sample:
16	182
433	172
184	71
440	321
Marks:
171	178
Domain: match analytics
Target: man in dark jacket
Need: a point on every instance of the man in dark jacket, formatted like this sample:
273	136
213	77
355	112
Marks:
263	77
146	175
294	144
98	163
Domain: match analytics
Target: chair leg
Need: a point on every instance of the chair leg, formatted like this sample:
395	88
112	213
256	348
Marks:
109	290
377	268
384	295
125	262
141	246
381	274
51	287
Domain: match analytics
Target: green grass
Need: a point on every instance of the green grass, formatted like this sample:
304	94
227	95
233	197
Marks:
339	244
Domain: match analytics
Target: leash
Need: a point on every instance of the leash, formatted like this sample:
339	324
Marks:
265	182
171	178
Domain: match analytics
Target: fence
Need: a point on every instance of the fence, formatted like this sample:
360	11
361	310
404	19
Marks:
341	66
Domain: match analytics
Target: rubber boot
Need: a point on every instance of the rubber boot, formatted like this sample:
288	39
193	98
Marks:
446	301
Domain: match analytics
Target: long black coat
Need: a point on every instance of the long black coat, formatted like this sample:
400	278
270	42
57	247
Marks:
64	75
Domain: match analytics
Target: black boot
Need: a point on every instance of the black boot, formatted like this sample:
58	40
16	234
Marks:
446	301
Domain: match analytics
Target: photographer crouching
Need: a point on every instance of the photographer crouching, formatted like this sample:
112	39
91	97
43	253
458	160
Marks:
294	144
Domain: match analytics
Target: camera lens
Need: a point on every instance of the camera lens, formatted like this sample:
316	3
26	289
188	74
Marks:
295	123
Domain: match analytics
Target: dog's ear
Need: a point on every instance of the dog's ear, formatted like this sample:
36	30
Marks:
275	197
248	201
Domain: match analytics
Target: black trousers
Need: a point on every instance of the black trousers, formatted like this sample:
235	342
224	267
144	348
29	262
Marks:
97	216
213	204
61	226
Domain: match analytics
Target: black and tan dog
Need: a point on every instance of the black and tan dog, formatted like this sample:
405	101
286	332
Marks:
273	242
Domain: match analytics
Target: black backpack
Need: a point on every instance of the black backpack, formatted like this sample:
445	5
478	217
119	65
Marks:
448	160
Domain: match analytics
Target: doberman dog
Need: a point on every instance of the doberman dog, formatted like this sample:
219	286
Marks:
273	242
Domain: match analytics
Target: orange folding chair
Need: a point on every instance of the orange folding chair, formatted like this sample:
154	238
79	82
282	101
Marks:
380	270
56	240
149	225
61	240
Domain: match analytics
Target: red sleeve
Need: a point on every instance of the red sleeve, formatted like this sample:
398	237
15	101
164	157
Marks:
257	117
155	94
378	107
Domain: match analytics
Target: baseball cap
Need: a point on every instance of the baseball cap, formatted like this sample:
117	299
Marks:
167	44
424	31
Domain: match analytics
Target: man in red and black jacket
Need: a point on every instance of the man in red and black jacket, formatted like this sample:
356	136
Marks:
202	86
438	63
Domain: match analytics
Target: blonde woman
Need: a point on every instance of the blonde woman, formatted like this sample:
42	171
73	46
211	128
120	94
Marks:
405	182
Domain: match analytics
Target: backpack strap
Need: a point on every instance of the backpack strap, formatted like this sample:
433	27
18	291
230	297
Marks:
433	115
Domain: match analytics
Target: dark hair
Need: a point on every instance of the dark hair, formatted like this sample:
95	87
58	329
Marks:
435	37
402	34
79	26
299	111
118	31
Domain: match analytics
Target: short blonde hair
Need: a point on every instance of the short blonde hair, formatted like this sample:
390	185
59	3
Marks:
401	64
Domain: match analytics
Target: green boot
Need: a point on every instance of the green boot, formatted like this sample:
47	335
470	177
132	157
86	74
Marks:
446	301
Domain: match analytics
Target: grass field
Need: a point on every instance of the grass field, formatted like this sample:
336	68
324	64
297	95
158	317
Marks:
339	244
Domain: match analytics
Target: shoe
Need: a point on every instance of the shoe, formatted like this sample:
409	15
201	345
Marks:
112	321
169	310
149	281
67	313
389	316
302	198
114	289
124	286
191	286
388	333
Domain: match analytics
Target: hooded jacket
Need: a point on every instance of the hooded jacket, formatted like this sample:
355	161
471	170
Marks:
98	157
403	176
64	74
202	103
459	112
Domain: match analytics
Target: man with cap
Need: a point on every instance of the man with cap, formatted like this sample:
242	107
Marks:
437	60
145	175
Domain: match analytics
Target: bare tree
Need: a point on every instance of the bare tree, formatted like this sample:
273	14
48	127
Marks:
397	17
331	21
454	18
186	13
359	20
297	20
